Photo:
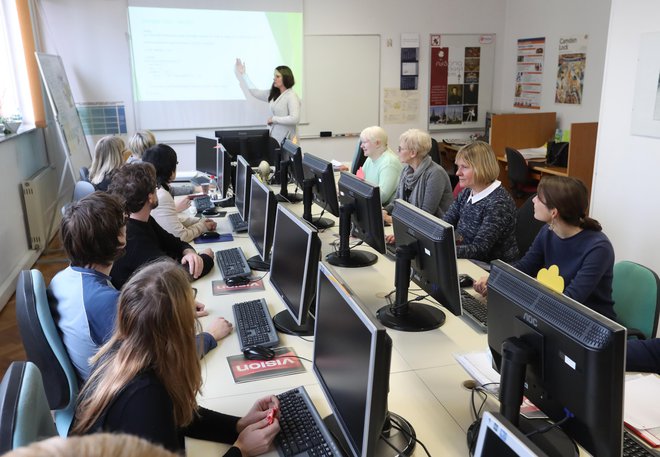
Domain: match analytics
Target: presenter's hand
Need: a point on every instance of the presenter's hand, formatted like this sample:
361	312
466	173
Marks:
194	262
240	67
481	285
269	121
220	328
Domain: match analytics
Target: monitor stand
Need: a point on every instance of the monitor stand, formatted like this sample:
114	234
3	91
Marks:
345	256
320	223
255	263
284	196
284	323
404	314
226	203
403	440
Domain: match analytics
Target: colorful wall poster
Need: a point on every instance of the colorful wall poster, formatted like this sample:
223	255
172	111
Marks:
570	69
529	73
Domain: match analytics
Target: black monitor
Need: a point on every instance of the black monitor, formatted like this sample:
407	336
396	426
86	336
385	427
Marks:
206	155
361	209
293	265
290	164
498	437
425	252
358	159
564	357
242	189
253	144
261	223
352	354
319	186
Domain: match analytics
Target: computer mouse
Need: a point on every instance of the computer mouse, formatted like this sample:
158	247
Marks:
237	281
210	235
209	212
465	280
258	353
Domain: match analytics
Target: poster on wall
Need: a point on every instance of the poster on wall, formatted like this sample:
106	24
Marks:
529	73
570	69
460	80
645	119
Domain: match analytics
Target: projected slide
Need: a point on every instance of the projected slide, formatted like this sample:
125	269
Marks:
183	64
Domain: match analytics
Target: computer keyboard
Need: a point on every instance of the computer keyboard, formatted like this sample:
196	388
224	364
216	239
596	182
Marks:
237	224
232	263
254	325
390	251
633	448
302	431
475	309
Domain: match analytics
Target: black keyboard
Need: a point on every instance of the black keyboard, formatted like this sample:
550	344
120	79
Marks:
302	431
238	224
232	263
475	310
254	324
633	448
390	251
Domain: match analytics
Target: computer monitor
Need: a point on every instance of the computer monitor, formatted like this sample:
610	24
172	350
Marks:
261	223
242	190
498	437
293	266
424	247
564	357
226	176
290	164
352	356
319	186
253	144
206	155
358	159
361	208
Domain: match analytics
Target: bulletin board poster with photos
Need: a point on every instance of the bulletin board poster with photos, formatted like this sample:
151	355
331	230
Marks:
460	81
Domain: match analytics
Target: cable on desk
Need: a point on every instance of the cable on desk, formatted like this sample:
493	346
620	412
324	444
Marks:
294	357
411	438
549	427
305	339
260	277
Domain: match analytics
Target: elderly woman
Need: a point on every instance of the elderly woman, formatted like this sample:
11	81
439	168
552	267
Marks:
108	157
423	182
138	143
382	166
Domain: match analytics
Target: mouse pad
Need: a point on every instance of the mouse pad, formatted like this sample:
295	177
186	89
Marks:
286	362
220	288
220	239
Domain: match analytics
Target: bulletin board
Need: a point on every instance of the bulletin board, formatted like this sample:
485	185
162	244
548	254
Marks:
461	72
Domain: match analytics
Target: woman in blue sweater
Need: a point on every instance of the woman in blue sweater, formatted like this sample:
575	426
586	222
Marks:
573	242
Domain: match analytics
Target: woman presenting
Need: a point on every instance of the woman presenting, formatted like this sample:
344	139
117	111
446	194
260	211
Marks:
283	101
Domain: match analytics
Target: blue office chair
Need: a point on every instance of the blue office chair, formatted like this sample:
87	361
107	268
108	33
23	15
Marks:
635	291
24	412
84	174
44	347
81	189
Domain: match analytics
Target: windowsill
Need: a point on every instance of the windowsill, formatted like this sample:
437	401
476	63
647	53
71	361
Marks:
9	136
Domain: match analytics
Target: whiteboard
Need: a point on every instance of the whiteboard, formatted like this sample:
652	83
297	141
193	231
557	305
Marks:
342	84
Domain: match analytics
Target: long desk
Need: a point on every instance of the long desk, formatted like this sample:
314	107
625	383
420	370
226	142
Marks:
425	382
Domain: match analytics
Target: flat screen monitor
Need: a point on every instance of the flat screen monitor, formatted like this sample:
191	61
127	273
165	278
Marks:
352	354
361	216
253	144
206	155
290	167
226	174
261	223
425	253
498	437
564	357
293	266
358	159
319	186
242	190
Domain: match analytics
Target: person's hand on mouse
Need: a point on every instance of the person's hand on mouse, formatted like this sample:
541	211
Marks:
182	204
481	285
219	328
210	225
194	262
258	411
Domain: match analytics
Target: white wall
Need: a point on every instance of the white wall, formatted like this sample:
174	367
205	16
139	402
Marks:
626	172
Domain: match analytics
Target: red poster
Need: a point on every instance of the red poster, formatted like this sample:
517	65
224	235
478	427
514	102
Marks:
439	70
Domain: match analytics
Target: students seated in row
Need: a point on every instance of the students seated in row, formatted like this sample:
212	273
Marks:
187	228
146	378
382	166
93	232
643	355
423	183
573	242
108	157
135	184
484	214
138	143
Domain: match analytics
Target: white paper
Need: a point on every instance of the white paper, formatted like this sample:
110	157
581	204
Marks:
641	407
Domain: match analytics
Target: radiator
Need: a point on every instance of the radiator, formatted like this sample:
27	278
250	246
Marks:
40	201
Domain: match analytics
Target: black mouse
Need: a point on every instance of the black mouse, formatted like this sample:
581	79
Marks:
465	280
210	235
209	212
237	281
258	353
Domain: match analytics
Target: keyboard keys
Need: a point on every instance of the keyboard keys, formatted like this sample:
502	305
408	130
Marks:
633	448
475	309
254	325
237	224
232	263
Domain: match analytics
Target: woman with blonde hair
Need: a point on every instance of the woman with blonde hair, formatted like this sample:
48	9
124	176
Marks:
138	143
484	213
382	167
108	157
146	377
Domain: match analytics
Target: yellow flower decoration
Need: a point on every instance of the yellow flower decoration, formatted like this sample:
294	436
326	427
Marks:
550	277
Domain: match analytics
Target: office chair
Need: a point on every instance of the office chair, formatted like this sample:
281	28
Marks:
81	189
84	174
520	178
24	413
43	346
636	298
527	226
435	152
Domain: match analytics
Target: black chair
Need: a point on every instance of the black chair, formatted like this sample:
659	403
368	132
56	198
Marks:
527	226
520	178
435	152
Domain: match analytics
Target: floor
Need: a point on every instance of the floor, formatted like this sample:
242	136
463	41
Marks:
11	347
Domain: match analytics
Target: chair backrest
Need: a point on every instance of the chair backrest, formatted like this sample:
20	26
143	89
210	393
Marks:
517	169
84	174
527	226
81	189
24	412
636	299
43	346
435	152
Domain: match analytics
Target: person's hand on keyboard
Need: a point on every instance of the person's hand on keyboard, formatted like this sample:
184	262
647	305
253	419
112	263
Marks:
219	328
256	434
258	411
480	285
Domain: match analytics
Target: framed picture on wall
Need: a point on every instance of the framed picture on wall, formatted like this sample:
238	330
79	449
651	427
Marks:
646	102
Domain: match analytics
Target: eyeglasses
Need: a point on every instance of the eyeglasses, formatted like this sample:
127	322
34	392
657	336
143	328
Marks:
194	292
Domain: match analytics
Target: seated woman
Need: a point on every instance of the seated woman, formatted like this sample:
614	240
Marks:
164	159
484	214
146	377
643	355
382	166
108	157
423	182
138	143
573	242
